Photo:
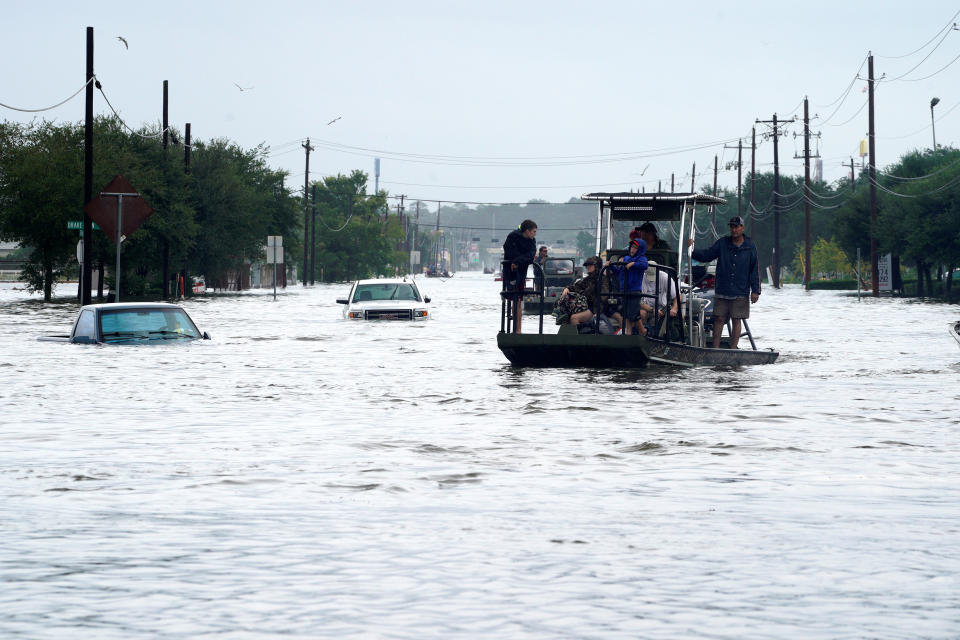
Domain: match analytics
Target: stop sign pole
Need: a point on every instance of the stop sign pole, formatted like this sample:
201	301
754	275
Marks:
119	197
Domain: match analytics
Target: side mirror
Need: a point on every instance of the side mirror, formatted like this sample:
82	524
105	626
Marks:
426	299
342	301
206	336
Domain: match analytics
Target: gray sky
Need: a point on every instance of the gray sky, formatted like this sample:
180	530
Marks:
501	101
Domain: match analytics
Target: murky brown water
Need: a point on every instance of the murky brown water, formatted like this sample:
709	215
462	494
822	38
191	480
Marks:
302	476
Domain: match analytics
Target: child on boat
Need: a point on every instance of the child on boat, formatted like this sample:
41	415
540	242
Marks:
629	269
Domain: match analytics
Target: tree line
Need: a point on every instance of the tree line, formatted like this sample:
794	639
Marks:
213	220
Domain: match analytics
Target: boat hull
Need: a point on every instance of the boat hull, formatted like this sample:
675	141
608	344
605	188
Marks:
573	350
682	355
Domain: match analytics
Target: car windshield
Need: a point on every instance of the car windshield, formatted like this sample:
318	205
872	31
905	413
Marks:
385	291
146	324
558	266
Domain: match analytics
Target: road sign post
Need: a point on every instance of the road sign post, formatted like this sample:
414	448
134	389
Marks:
98	209
275	255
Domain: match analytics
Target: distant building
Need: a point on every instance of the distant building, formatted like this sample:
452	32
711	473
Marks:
6	248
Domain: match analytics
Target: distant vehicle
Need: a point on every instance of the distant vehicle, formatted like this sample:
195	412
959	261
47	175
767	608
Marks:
131	323
557	274
385	299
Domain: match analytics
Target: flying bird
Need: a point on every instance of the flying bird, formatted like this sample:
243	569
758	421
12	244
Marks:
124	41
334	120
242	88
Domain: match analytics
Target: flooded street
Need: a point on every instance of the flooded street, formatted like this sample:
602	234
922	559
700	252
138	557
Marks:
303	476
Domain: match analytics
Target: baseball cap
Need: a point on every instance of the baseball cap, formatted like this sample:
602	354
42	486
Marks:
736	221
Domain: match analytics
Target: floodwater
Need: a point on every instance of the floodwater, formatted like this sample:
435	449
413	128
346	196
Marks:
301	476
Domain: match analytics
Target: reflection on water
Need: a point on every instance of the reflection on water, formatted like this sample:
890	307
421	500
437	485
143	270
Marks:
304	476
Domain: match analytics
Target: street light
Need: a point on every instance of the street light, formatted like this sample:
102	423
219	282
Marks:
933	128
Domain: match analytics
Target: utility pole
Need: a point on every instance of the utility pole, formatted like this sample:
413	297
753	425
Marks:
776	195
739	149
165	268
693	178
806	189
87	267
713	209
671	183
753	174
875	276
186	148
313	236
852	177
306	205
437	247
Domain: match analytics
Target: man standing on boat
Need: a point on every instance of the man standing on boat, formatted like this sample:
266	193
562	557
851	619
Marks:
519	250
737	279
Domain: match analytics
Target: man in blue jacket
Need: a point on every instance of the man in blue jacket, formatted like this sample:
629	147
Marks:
737	278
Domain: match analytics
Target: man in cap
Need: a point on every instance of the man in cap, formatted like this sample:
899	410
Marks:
737	279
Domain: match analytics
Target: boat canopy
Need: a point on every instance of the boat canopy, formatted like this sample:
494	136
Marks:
649	206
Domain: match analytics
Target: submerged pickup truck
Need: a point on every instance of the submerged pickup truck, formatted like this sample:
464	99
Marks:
131	323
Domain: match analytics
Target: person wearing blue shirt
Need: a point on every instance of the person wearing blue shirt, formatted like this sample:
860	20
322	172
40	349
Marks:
737	279
629	269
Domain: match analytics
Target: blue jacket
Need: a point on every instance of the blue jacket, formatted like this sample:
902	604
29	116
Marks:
738	269
632	279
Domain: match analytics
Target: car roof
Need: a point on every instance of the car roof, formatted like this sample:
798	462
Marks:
386	281
132	305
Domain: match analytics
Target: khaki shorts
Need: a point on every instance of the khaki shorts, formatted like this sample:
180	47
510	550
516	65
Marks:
738	308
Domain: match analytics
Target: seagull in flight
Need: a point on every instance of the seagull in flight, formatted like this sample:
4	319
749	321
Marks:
124	41
242	88
334	120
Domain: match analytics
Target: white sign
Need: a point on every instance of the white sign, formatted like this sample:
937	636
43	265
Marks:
274	254
414	257
275	241
80	251
885	272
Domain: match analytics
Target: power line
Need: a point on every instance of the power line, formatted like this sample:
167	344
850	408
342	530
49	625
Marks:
62	102
950	23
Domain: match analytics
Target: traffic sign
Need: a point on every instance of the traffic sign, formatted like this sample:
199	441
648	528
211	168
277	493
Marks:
103	209
78	225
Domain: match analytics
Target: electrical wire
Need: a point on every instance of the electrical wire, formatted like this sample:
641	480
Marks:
950	22
923	60
929	175
74	95
935	72
136	133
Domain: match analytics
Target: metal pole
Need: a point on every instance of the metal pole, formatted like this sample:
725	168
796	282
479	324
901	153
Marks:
806	184
739	175
306	208
116	297
875	276
86	276
933	123
753	174
313	237
776	205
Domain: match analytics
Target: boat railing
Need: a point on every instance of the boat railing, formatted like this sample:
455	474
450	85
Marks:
514	288
613	291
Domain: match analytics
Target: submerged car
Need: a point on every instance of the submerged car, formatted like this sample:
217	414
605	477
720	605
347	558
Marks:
385	299
131	323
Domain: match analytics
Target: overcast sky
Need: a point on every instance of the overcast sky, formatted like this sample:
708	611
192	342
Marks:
502	101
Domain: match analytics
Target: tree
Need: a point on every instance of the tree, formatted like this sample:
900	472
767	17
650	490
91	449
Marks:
41	166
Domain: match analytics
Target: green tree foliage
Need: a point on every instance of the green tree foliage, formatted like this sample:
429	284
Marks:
355	236
827	260
918	216
40	190
209	222
238	201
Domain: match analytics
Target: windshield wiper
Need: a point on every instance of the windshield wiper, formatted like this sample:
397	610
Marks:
168	332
